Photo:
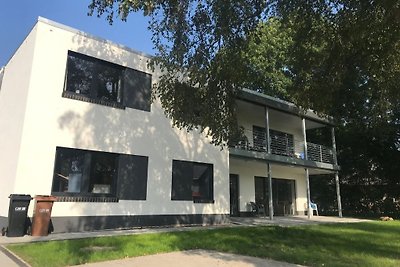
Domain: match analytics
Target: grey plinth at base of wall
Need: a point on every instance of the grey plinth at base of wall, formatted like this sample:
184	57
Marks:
93	223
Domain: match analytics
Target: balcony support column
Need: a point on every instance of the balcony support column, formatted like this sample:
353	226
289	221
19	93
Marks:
307	176
270	203
335	162
309	210
339	200
268	137
334	146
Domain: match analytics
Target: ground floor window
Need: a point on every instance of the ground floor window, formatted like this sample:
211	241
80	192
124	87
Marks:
192	181
80	173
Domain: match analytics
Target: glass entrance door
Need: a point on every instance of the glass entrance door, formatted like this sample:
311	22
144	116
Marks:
283	195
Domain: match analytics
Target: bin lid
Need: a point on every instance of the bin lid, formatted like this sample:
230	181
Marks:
45	198
20	197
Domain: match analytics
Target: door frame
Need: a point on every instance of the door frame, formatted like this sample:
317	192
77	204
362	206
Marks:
265	191
234	210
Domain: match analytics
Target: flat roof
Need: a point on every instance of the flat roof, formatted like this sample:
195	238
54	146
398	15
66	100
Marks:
281	105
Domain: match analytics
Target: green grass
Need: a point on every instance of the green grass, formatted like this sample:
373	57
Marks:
356	244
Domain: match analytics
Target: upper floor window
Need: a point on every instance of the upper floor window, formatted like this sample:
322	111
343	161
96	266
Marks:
98	81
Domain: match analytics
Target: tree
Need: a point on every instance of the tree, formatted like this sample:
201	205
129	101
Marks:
342	55
350	69
198	47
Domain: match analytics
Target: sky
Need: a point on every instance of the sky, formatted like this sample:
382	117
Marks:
17	18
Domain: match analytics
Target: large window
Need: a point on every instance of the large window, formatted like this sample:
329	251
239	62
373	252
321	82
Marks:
91	173
261	190
98	81
192	181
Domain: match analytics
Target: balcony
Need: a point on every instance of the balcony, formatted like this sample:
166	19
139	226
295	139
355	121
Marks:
282	144
319	153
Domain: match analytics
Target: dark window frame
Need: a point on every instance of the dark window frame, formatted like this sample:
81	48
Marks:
89	170
190	179
134	86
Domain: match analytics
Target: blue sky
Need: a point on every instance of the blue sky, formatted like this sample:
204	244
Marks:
17	17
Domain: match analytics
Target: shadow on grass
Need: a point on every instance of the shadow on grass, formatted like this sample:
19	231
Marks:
360	244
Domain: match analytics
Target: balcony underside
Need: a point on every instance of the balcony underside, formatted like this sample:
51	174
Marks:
256	155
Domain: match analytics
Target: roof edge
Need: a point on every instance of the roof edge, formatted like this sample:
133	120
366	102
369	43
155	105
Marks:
88	35
282	105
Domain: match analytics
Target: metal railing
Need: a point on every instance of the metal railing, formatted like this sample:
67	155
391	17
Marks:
320	153
282	144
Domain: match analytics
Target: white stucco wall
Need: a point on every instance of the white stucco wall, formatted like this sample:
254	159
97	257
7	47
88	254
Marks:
248	169
13	101
51	121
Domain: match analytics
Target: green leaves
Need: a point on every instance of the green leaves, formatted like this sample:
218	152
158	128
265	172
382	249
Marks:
199	46
340	58
267	59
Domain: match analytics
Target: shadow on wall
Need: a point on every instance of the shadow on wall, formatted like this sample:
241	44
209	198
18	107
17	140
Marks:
142	133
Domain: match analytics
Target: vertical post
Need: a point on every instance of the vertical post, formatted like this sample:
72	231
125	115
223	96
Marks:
339	199
309	210
303	126
334	146
270	203
320	154
267	130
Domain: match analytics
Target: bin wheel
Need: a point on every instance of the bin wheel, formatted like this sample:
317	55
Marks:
4	231
29	230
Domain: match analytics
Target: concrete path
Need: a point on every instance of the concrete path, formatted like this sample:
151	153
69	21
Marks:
8	259
292	220
193	258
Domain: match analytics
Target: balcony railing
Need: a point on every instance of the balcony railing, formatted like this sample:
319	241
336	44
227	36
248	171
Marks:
282	144
320	153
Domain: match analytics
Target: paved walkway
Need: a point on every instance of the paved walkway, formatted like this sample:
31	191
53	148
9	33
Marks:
193	258
7	259
188	258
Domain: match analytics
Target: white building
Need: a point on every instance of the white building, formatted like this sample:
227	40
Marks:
76	122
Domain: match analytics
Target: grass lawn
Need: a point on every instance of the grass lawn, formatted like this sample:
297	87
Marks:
356	244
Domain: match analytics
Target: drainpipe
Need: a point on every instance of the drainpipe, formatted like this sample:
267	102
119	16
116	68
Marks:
335	162
309	210
270	203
